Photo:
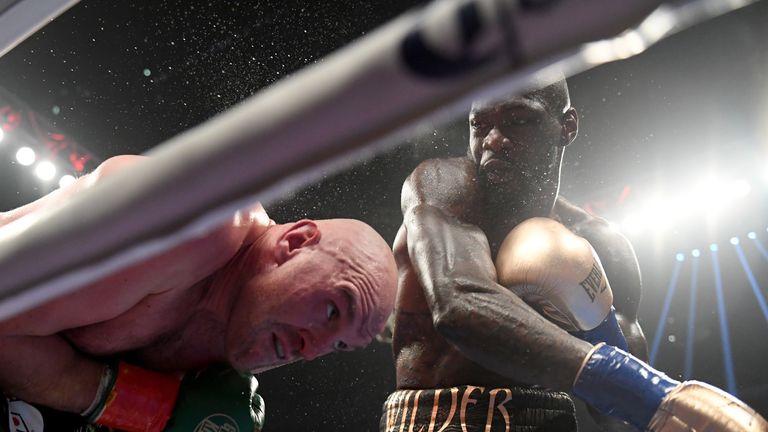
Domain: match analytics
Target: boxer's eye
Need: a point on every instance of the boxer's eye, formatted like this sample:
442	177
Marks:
340	346
331	311
477	125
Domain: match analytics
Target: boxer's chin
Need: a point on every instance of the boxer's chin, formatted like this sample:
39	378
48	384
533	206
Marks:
251	362
263	368
500	180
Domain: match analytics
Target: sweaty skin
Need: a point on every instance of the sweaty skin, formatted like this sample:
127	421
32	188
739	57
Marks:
454	324
251	293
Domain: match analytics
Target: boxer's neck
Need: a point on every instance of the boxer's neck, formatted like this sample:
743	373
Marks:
501	215
198	344
224	285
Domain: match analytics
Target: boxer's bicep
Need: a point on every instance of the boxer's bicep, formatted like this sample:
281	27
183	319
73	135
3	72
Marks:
446	254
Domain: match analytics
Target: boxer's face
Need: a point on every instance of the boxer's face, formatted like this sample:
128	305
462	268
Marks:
313	304
514	144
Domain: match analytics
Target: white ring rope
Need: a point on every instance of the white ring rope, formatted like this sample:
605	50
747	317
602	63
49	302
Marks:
283	138
21	18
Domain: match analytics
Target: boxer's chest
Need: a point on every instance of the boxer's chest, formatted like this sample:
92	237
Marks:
153	318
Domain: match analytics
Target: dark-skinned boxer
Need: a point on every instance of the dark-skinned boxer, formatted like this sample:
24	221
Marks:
495	270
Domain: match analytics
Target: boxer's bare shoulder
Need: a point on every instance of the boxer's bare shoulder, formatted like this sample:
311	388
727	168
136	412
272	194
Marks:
442	183
148	297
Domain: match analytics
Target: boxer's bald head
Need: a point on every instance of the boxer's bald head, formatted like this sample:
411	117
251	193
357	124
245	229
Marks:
365	260
551	90
329	286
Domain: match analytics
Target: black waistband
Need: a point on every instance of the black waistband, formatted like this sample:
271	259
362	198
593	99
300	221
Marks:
478	409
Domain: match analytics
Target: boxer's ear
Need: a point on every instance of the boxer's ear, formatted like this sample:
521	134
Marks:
301	234
570	126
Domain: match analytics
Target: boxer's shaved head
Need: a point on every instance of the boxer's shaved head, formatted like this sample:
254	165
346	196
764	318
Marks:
551	90
330	287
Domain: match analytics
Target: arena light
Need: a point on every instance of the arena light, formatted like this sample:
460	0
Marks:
45	170
696	253
759	245
632	224
765	174
665	309
712	196
734	240
756	290
741	188
2	134
66	180
26	156
656	212
691	335
725	336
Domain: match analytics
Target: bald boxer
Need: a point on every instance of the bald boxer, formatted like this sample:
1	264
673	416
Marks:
252	294
505	302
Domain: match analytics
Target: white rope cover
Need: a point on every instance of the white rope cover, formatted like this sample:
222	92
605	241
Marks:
19	19
427	64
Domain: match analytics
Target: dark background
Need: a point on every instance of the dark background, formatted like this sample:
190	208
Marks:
122	77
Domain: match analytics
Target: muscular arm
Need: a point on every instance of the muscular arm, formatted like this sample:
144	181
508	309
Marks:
488	323
37	365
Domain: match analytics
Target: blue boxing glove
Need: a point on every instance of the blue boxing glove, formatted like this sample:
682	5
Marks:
618	384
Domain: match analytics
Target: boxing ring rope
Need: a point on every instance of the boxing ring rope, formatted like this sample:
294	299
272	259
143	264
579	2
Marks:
428	64
19	19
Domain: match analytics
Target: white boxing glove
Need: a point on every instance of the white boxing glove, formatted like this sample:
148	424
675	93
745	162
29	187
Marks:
560	275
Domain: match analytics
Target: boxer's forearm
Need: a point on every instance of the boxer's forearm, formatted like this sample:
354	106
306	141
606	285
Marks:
46	370
491	325
505	335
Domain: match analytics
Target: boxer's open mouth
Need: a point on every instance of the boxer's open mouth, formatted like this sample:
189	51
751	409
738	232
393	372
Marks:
278	347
